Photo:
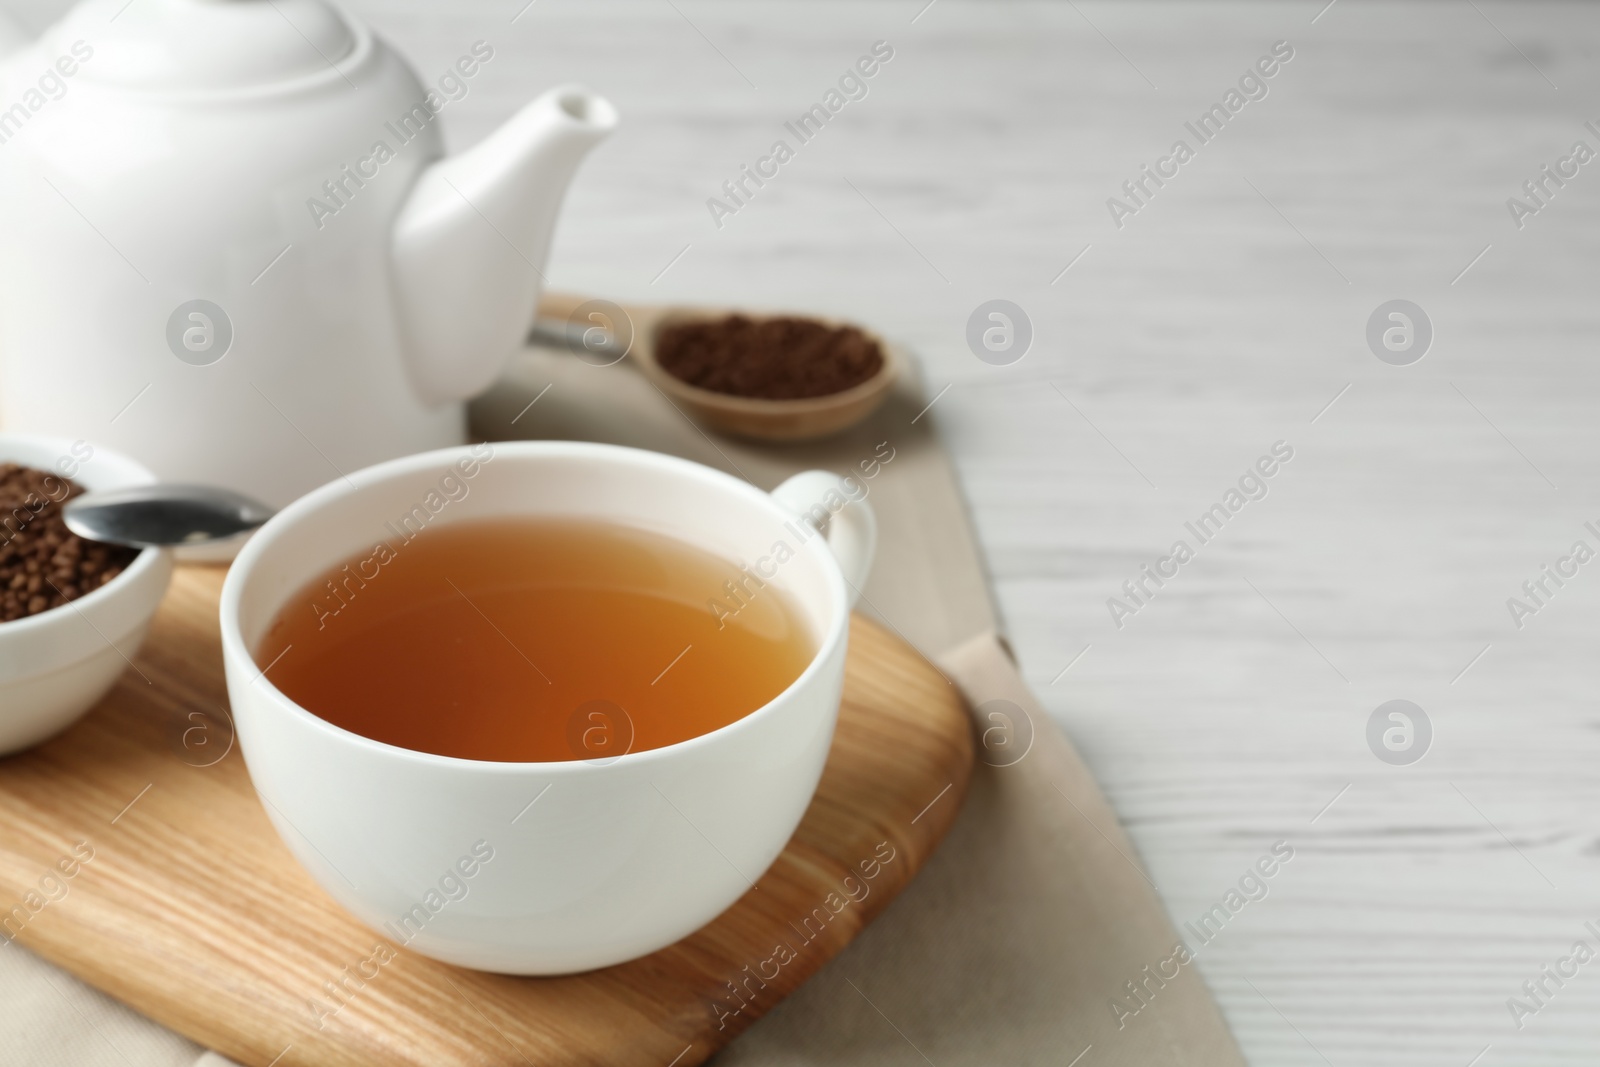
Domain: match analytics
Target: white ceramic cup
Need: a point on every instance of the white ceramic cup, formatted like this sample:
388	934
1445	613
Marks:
546	868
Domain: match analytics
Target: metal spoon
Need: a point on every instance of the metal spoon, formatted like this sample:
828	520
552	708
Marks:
154	516
596	345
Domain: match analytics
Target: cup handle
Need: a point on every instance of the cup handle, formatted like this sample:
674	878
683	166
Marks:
817	498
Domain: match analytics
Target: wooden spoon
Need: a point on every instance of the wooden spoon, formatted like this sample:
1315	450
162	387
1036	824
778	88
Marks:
600	332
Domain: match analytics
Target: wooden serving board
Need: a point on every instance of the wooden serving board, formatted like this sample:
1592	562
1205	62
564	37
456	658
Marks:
134	853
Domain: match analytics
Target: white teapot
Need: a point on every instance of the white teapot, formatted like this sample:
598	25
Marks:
229	245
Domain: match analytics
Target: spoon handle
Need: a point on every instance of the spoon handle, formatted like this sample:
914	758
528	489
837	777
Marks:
159	515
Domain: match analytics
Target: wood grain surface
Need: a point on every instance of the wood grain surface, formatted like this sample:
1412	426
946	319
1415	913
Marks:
138	858
1225	316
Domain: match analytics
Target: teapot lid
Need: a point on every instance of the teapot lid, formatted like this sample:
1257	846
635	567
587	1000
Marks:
204	46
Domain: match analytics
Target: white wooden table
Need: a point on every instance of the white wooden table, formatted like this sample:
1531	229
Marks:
1228	314
1224	317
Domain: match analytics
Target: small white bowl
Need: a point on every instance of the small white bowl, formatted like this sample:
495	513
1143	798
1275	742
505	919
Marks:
57	664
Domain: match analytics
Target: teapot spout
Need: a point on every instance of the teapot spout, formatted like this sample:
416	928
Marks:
469	245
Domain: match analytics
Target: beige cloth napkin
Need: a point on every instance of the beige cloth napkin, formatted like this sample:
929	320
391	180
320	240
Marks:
1014	942
1033	915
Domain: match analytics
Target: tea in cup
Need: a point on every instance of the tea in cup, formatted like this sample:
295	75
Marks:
601	679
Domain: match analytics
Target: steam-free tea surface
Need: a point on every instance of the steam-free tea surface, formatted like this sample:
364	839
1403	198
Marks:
191	910
535	639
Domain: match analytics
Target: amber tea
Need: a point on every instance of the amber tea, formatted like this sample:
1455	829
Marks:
534	639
